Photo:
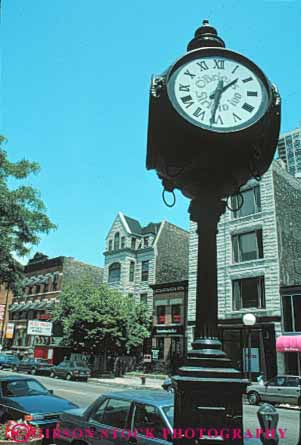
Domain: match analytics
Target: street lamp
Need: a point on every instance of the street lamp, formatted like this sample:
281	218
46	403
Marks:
249	320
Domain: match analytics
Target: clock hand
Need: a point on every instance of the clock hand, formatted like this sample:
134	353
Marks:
216	96
224	88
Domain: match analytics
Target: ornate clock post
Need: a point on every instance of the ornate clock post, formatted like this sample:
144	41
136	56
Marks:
214	122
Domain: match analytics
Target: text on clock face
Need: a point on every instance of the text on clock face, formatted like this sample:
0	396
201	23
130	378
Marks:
218	92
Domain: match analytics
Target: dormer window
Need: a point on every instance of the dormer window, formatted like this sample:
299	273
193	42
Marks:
122	242
133	243
146	242
110	245
116	241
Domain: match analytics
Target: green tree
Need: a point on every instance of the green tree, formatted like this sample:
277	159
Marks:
99	320
22	216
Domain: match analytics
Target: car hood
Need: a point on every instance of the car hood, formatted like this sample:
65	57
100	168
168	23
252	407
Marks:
43	403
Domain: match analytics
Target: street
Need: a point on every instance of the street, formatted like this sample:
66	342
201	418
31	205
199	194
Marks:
83	394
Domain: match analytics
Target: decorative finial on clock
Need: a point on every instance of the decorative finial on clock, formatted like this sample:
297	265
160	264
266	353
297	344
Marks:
205	36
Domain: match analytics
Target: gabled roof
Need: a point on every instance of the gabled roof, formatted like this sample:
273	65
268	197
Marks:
133	224
136	228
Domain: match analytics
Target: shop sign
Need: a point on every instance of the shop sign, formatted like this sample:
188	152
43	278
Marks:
251	359
2	311
155	354
36	327
9	330
168	330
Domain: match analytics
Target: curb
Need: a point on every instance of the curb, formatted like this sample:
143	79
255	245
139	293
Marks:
123	385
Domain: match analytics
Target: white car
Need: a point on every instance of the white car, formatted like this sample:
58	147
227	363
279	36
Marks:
280	389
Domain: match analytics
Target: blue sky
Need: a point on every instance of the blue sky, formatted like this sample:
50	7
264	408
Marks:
74	97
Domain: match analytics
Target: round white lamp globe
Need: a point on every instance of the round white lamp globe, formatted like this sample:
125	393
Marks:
249	319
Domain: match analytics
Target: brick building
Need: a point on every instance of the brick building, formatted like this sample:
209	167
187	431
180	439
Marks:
138	257
259	271
42	285
6	297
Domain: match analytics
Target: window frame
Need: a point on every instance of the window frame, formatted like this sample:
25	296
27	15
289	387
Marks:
237	250
132	271
291	300
261	303
235	202
118	266
144	271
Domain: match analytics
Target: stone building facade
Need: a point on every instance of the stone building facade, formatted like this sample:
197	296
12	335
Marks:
258	253
137	257
42	286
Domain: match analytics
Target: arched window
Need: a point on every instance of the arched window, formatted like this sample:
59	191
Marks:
114	272
116	241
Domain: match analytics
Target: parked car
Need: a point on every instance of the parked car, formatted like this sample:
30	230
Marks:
8	361
71	370
34	366
25	398
280	389
117	412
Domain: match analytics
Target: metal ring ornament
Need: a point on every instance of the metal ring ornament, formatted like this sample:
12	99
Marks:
240	206
164	200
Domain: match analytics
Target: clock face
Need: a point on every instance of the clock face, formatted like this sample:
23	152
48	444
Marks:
218	93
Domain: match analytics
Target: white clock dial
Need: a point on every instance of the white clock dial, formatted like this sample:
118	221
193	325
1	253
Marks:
218	93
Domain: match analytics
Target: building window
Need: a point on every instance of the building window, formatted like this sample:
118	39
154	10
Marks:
143	298
251	202
144	270
161	314
38	289
114	272
122	242
247	246
248	293
133	243
132	271
116	241
291	307
176	313
110	245
146	242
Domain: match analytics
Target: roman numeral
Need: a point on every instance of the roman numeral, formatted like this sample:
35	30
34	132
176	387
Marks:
252	93
248	79
203	65
188	73
219	64
235	69
219	120
248	107
184	87
187	100
199	113
236	117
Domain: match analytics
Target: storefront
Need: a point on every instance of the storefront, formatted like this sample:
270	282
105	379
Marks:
252	351
290	346
168	334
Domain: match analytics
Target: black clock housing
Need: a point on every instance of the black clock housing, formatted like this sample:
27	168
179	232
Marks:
189	156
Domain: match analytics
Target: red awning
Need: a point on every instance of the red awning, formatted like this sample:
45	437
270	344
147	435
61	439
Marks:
288	343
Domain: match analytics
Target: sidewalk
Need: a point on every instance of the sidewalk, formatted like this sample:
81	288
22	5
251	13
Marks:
130	381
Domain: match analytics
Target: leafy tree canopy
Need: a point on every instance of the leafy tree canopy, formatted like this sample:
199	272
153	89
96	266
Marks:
98	319
22	216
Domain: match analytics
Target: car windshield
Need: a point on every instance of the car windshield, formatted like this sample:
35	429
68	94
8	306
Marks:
169	412
19	388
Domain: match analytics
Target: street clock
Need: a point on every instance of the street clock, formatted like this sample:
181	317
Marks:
213	116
